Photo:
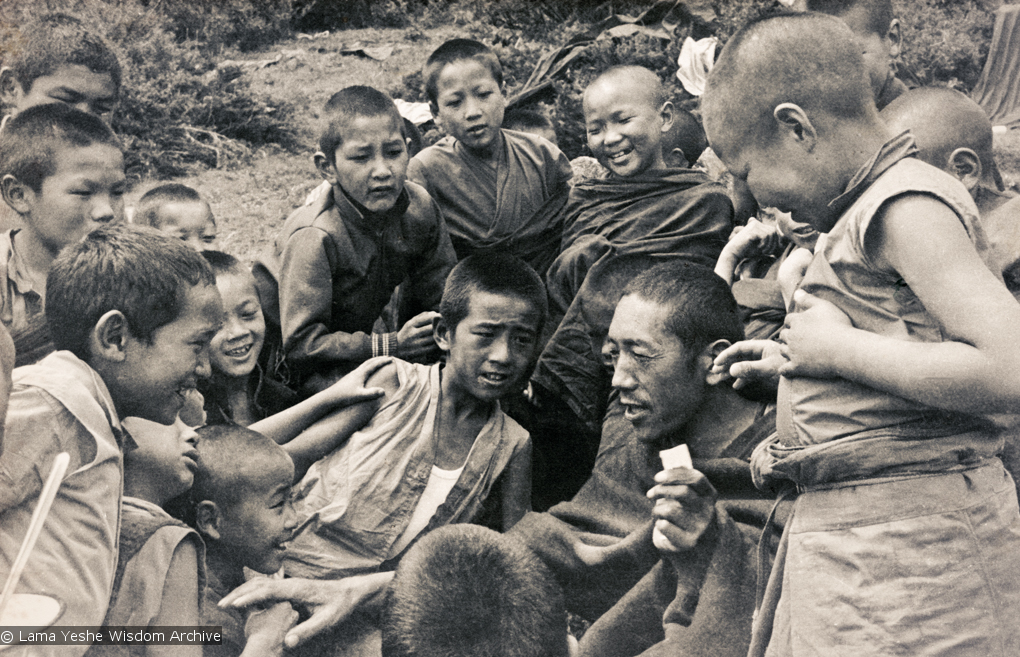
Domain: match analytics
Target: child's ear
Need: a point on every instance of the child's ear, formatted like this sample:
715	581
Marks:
17	194
894	38
207	519
441	333
676	159
707	357
666	113
10	89
109	337
965	165
794	122
326	169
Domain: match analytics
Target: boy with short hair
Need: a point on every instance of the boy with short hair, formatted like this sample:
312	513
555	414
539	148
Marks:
464	591
132	312
498	190
905	533
337	262
180	211
62	171
878	33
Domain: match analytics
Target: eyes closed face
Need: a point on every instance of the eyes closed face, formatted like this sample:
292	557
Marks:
86	189
165	456
236	346
624	127
73	85
490	350
470	104
371	162
191	222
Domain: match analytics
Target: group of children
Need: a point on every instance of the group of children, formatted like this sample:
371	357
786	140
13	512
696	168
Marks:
321	412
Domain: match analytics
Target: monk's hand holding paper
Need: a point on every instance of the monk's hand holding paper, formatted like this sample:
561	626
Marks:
684	508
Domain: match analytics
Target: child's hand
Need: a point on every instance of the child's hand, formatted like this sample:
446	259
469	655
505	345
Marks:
749	361
684	506
351	389
814	338
791	273
414	340
753	239
266	629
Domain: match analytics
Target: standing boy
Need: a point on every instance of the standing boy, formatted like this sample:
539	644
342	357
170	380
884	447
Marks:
338	261
905	537
62	171
132	314
499	190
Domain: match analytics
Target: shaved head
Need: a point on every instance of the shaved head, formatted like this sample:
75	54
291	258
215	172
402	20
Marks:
644	83
809	59
231	460
942	120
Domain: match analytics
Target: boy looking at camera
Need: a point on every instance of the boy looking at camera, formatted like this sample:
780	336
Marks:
901	342
132	313
499	190
337	262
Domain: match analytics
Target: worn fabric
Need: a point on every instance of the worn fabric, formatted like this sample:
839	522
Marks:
268	395
924	565
355	503
336	268
230	619
22	305
149	538
61	405
514	207
599	547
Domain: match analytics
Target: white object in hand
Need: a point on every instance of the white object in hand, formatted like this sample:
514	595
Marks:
674	457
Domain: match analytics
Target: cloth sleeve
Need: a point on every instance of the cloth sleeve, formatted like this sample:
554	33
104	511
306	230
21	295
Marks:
428	277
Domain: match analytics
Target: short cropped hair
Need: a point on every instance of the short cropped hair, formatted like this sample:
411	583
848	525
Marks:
147	210
31	142
687	134
348	104
137	270
878	13
701	307
808	59
56	40
496	273
467	591
224	263
456	50
229	458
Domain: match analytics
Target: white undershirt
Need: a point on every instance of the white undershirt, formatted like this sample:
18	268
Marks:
437	489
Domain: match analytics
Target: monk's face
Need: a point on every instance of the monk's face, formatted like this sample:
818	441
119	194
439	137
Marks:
625	127
659	380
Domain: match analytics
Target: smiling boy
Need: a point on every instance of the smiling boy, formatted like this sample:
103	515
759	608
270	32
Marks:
132	312
337	262
499	190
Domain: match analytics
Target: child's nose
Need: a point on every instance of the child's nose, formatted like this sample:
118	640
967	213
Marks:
499	351
203	369
291	521
103	209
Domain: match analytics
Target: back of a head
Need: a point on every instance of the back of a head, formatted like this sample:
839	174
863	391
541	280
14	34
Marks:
808	59
496	273
456	50
701	306
467	591
230	457
147	209
687	134
942	120
57	40
347	105
874	16
139	271
31	141
224	263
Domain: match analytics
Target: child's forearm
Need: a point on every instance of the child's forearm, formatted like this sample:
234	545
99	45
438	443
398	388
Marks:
516	487
326	435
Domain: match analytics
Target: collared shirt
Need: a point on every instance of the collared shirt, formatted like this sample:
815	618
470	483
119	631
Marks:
20	298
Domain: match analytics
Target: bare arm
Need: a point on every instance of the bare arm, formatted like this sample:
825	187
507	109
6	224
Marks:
973	372
516	487
179	605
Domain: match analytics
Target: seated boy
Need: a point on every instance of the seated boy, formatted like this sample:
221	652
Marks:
464	591
906	530
132	313
642	207
62	171
878	35
436	449
178	210
337	262
953	133
499	190
57	60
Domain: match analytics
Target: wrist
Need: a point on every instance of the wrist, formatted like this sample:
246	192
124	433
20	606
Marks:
384	344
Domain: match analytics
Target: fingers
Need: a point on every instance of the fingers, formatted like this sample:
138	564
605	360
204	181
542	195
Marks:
682	483
318	622
744	350
257	591
371	366
423	319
